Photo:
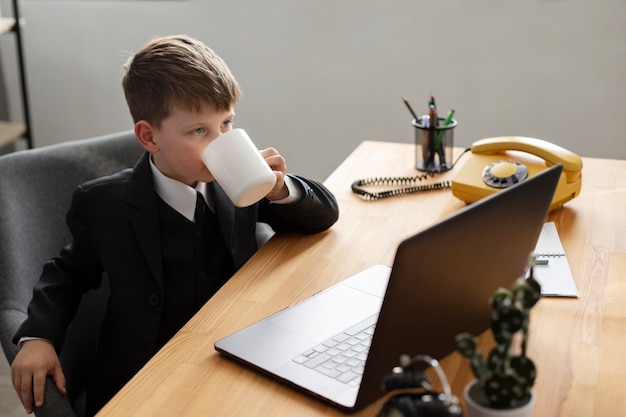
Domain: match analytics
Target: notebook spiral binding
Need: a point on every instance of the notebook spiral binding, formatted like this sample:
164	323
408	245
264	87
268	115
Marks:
396	181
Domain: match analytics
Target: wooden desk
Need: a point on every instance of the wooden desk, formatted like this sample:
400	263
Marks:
577	344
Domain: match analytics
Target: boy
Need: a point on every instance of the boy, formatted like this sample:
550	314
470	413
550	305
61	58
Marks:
164	232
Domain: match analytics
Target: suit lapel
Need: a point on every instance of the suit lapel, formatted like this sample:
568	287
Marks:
145	218
225	211
237	225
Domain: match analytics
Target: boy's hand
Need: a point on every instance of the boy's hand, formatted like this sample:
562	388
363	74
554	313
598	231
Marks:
35	360
278	165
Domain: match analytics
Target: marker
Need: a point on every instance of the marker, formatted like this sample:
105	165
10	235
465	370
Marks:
446	122
408	106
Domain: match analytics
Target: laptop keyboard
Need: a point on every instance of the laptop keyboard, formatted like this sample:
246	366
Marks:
343	356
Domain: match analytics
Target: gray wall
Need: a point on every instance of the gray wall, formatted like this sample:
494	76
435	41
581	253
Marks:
320	76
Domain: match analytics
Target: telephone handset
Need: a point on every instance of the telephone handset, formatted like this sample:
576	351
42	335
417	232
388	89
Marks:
497	163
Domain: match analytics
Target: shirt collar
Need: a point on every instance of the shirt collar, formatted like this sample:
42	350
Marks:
178	195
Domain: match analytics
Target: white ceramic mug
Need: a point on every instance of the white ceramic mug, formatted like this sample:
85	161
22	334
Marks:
238	167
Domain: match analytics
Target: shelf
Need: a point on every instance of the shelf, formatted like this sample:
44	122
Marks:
13	131
6	24
10	132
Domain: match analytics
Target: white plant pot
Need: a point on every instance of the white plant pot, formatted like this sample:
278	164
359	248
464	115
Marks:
474	409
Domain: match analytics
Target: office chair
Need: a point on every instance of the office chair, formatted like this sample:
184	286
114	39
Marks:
36	188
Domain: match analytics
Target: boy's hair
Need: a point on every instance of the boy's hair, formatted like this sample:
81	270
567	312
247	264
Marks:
176	71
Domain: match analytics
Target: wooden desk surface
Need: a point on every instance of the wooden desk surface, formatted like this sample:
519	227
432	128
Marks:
577	344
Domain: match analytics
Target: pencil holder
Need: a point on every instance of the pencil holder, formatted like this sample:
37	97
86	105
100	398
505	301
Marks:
433	146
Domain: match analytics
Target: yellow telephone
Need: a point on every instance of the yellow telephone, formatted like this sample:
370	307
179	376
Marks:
500	162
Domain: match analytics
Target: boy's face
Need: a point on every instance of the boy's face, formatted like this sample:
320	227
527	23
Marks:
182	137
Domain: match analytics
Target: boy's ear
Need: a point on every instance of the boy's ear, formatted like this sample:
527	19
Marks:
145	135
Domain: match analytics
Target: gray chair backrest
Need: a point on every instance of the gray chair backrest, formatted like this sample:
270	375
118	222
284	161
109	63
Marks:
36	188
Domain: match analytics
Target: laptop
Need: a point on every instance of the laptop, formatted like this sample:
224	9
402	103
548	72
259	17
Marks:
439	285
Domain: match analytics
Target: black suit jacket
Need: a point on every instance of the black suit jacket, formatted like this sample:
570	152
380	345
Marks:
115	227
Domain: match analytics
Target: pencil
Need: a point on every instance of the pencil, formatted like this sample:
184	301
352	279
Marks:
408	106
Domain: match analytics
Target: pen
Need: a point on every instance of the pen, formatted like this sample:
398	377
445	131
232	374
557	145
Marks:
432	112
433	120
408	106
446	122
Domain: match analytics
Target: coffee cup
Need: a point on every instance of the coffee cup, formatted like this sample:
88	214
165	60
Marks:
239	168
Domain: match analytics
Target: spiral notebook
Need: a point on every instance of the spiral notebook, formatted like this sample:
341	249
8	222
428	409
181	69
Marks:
554	274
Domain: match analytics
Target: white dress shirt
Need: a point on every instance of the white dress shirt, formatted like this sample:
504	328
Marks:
182	197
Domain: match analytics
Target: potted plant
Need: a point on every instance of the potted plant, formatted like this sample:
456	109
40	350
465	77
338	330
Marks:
504	379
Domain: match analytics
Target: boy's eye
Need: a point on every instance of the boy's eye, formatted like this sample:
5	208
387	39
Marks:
199	131
227	123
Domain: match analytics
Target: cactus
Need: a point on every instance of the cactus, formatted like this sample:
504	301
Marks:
507	374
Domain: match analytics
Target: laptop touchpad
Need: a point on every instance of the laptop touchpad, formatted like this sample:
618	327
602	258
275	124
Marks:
328	312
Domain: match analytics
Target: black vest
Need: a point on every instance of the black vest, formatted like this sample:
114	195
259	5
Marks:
196	263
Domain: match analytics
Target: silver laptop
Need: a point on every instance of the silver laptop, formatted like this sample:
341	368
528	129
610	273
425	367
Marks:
339	344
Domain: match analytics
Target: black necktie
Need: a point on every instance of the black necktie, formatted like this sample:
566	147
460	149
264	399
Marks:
201	208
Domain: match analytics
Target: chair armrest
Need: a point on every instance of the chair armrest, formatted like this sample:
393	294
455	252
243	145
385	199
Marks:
55	404
10	321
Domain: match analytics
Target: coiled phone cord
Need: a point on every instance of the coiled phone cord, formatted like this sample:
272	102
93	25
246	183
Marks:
368	195
397	181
